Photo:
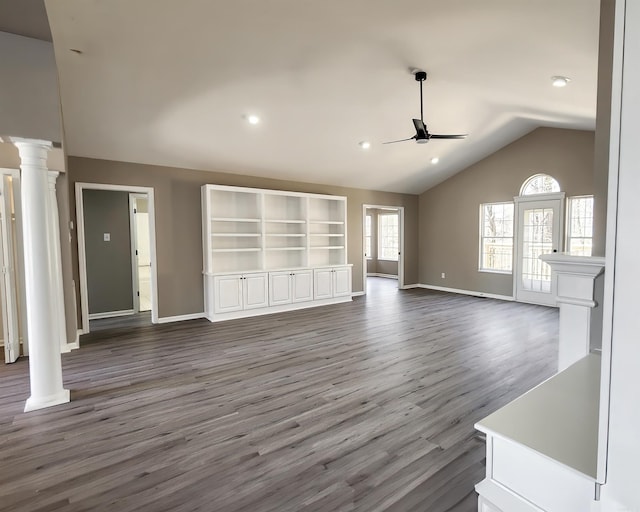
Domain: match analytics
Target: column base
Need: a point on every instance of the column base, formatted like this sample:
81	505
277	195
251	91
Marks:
35	403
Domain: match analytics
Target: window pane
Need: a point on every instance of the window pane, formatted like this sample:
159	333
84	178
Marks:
580	225
540	184
496	237
388	237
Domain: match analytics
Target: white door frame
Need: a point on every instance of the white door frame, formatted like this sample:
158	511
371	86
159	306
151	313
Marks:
400	210
18	263
520	203
8	285
82	256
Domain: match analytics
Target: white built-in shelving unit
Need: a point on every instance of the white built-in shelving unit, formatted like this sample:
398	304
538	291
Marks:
271	250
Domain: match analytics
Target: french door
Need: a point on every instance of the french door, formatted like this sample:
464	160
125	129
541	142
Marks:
539	231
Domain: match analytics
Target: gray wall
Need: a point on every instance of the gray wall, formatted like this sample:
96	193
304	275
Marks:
109	273
178	222
30	102
603	128
449	212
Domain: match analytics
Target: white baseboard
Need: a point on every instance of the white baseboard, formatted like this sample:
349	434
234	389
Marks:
464	292
181	318
111	314
357	294
388	276
68	347
410	286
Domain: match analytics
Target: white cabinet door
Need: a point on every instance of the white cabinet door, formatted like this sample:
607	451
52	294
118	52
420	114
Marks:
302	285
279	288
342	282
227	293
255	290
323	283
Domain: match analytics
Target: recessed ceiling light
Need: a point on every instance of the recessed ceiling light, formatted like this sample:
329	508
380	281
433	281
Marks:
560	81
365	144
435	160
253	119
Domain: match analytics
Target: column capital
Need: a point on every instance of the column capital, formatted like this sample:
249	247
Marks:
22	141
576	275
53	177
33	152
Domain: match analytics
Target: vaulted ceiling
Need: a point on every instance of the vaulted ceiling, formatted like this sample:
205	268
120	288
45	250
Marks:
171	83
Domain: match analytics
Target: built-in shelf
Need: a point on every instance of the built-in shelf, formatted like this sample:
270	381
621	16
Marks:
231	235
242	249
234	219
286	226
241	279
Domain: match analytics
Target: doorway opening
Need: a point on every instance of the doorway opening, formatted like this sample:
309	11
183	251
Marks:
383	242
116	253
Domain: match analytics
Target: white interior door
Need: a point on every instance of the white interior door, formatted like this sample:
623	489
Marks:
8	282
539	231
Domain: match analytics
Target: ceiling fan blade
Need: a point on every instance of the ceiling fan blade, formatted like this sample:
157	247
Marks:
401	140
462	136
421	129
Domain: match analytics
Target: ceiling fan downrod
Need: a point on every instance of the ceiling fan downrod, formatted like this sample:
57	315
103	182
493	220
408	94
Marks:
421	76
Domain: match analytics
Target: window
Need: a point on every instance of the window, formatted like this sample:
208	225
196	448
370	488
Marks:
539	184
496	237
580	225
388	236
367	236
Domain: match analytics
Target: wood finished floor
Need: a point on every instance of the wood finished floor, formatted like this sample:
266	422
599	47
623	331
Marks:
367	406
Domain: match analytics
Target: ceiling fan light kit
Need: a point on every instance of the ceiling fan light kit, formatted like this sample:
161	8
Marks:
422	135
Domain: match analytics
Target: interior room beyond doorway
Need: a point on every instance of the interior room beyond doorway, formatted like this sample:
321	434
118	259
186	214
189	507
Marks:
382	242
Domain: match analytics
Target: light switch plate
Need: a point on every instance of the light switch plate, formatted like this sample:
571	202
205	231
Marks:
107	237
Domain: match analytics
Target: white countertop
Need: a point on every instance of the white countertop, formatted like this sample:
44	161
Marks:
558	418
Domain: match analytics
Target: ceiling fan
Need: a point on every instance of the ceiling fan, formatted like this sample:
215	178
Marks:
422	134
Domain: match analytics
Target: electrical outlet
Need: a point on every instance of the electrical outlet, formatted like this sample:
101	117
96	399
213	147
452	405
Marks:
443	275
107	237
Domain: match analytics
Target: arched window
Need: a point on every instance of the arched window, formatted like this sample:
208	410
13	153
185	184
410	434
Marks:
539	184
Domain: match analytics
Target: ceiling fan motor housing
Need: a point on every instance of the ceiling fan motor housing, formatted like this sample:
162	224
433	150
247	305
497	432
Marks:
421	76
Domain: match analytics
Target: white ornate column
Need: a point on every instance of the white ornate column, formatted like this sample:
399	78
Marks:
45	364
576	278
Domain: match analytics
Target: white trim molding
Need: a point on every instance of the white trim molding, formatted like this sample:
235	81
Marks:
386	276
464	292
111	314
357	294
181	318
